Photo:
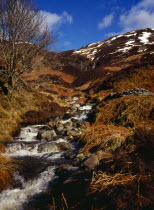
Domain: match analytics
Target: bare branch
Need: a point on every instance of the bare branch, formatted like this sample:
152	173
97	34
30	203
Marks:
23	34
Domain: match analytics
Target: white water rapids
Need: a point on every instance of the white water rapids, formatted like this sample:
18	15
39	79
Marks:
15	198
26	145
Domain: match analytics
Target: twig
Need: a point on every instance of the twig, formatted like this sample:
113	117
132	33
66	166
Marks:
64	200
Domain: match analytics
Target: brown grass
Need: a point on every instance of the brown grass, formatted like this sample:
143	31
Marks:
21	103
124	80
123	190
97	134
103	181
7	167
35	74
116	120
126	110
141	79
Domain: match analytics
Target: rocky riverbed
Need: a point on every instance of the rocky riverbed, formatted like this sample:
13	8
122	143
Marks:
47	155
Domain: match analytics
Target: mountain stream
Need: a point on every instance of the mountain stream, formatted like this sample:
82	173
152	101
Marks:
39	161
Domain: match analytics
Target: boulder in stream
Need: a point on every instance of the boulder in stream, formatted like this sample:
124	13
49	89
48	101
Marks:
60	127
73	132
64	146
47	147
46	136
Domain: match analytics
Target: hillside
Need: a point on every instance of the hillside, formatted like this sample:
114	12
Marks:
103	58
100	99
97	61
117	77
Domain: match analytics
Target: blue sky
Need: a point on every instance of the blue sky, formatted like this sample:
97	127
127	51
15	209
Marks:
80	22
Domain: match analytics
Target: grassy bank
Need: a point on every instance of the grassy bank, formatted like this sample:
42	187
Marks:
120	132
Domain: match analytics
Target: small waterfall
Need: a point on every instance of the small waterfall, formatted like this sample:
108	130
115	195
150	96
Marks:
21	149
29	133
18	178
37	149
15	198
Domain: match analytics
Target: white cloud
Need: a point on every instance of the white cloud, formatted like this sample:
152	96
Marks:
139	16
110	34
54	20
67	18
146	4
67	43
106	21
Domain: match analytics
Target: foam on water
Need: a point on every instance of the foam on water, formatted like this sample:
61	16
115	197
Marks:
15	198
87	107
29	133
21	150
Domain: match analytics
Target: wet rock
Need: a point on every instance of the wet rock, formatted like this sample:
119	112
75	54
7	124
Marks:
68	124
63	171
75	120
46	135
73	109
70	155
73	133
60	127
91	162
80	157
68	128
67	116
47	147
79	123
64	146
45	127
57	119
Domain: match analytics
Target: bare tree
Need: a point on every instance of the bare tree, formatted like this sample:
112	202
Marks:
23	33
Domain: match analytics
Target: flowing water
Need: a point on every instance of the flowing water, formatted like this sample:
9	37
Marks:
37	164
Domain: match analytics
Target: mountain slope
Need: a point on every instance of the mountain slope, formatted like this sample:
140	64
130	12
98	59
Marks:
102	58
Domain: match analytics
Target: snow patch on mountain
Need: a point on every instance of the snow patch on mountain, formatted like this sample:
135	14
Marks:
125	44
144	37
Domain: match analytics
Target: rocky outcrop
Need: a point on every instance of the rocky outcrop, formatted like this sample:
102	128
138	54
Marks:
133	92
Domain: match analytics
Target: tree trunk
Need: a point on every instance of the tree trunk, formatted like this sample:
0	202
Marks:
4	88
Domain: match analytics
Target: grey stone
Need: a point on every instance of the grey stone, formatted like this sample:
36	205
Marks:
60	127
70	155
46	135
111	143
91	162
68	124
73	133
135	92
80	156
47	147
64	146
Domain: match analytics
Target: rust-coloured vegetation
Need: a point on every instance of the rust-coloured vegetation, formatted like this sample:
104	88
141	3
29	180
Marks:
7	167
